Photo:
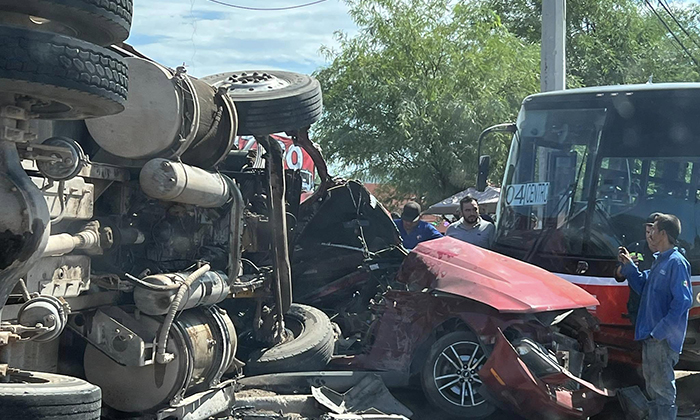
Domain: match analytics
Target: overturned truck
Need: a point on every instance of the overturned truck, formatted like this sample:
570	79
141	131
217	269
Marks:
139	246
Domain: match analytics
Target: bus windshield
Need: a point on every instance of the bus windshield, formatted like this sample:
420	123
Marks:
579	183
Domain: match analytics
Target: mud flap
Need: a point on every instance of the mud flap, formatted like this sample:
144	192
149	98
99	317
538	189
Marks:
510	381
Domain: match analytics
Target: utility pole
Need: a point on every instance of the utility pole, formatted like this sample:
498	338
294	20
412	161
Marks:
553	52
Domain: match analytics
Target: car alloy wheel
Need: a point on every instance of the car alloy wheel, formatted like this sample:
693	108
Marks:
450	377
455	373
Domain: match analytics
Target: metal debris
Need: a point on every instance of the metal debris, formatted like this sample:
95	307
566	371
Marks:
363	417
370	396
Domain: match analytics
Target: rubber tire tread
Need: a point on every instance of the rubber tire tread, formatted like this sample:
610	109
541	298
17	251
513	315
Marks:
102	22
292	107
90	79
311	351
60	398
449	410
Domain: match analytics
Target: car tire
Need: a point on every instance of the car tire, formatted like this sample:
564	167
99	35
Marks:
310	349
102	22
69	78
270	102
38	395
449	383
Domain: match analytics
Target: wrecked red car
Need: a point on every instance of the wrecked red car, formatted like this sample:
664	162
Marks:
475	329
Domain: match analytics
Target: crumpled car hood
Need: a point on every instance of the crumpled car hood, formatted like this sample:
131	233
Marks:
508	285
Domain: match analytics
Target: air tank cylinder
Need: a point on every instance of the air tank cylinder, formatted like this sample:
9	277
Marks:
212	287
168	180
204	342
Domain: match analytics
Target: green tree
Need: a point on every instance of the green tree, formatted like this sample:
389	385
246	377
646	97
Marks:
406	98
614	41
408	95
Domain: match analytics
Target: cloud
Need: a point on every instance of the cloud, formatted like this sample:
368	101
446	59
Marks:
210	38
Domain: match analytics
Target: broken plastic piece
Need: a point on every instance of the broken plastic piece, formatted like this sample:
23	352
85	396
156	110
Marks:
369	396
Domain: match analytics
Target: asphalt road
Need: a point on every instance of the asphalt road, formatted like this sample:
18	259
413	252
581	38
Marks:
415	400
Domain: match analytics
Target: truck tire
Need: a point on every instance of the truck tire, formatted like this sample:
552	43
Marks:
38	395
311	348
270	102
102	22
71	79
449	380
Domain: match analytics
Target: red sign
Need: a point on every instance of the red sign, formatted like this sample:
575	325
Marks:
295	158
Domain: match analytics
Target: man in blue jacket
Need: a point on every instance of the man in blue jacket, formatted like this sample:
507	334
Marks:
666	298
643	256
412	229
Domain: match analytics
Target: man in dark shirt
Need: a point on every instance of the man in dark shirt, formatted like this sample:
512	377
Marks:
412	229
662	321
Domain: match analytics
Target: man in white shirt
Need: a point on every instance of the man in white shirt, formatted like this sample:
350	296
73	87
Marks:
471	227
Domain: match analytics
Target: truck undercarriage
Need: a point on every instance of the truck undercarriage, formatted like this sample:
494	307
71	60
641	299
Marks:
121	233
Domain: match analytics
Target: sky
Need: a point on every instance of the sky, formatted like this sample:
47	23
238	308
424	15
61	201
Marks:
210	38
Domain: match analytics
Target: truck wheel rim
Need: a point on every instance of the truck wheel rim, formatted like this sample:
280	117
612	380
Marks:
255	82
455	373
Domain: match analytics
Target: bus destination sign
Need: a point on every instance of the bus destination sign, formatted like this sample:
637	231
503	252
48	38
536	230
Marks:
532	194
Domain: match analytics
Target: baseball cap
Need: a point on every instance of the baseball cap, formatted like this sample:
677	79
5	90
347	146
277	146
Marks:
411	212
651	219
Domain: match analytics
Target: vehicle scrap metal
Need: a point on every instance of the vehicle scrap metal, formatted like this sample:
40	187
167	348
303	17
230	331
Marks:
530	324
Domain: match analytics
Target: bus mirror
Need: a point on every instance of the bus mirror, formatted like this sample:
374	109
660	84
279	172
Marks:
485	161
484	166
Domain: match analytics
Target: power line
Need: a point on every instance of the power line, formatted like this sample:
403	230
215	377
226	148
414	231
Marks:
267	9
675	45
194	32
667	8
677	48
668	28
